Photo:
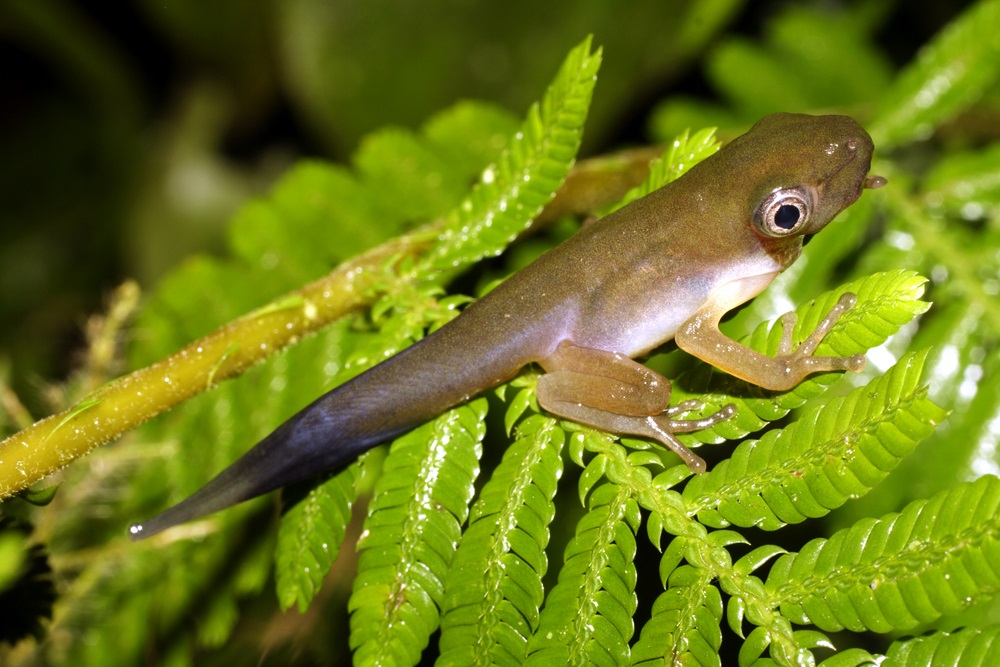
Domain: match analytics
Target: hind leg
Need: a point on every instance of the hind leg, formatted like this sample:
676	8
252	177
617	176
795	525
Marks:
611	392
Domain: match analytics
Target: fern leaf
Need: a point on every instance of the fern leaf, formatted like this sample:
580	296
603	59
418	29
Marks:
414	522
686	151
309	538
494	588
684	626
936	557
526	176
588	614
950	73
970	646
830	454
886	301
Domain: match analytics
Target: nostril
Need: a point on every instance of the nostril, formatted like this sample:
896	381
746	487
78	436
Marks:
852	144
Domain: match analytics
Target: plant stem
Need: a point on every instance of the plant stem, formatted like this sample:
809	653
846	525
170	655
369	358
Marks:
107	413
46	446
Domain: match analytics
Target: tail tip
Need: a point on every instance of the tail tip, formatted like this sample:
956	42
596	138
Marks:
138	532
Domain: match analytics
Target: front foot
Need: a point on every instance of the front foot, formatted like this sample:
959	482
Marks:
799	362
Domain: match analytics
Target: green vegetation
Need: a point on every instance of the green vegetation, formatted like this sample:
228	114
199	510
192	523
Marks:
845	520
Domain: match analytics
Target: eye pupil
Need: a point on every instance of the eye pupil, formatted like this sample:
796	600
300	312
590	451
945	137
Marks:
784	213
786	216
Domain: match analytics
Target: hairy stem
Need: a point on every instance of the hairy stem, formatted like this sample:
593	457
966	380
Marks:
46	446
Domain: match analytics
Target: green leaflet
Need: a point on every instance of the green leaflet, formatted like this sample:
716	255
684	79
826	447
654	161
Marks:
588	615
309	538
685	623
494	589
409	538
970	646
851	657
936	557
527	175
950	73
827	456
40	497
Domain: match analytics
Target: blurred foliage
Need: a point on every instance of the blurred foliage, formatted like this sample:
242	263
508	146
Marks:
134	132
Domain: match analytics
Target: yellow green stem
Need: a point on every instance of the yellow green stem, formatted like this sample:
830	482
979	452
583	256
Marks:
107	413
46	446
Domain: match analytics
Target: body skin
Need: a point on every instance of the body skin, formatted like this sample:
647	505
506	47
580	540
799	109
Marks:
667	266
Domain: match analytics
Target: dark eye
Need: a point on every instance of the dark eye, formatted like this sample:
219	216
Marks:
787	216
783	212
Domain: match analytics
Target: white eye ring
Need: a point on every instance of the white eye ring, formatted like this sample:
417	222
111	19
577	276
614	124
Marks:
783	212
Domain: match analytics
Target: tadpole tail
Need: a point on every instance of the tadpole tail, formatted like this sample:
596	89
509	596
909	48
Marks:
310	443
440	371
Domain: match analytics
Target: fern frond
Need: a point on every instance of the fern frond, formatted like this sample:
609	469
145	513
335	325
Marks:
684	626
409	538
686	616
969	646
936	557
494	588
886	301
684	152
526	176
588	615
830	454
309	538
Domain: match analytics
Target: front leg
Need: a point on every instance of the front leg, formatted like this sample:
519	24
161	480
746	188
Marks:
611	392
700	336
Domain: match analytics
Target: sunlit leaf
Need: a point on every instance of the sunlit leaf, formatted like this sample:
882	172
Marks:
494	590
942	553
413	527
969	646
589	612
829	455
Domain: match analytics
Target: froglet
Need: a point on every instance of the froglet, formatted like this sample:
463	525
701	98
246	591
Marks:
667	266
